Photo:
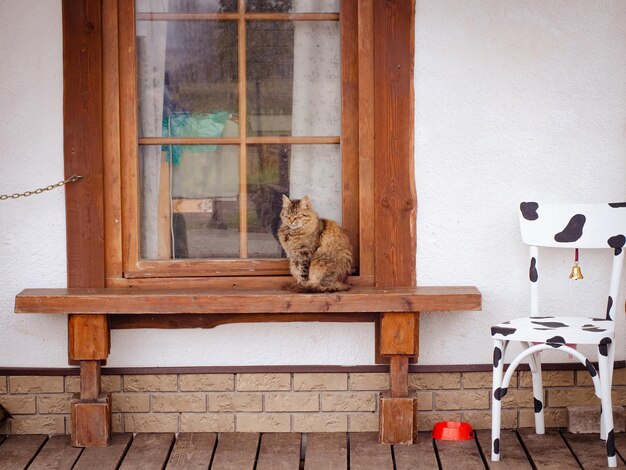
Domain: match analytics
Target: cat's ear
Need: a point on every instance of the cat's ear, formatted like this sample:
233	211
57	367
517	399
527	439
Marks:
286	201
305	203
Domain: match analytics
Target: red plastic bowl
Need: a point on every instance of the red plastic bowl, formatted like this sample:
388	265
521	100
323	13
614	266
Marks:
453	431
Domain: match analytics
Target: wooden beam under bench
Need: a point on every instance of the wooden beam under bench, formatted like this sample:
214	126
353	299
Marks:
395	309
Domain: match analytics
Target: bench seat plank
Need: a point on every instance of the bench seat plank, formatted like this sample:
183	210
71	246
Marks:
239	301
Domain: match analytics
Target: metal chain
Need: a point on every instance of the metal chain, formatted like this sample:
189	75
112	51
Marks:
71	179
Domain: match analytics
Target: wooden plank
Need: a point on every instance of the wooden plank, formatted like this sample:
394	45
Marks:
105	458
89	380
232	282
512	455
399	376
366	136
111	140
82	136
397	419
204	206
91	421
88	337
451	453
367	453
396	204
398	333
350	123
165	209
223	301
243	131
279	451
181	320
326	451
236	451
547	451
420	456
236	16
128	100
19	450
57	454
590	450
192	451
236	140
148	452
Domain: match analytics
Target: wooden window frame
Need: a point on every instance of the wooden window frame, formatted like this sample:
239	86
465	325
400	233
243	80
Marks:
381	202
124	267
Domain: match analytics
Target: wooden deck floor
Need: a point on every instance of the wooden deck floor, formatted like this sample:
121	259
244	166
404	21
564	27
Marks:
251	451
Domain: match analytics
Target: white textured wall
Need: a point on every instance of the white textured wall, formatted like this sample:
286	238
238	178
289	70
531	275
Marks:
514	100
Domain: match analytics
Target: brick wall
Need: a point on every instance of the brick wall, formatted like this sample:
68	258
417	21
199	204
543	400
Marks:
282	402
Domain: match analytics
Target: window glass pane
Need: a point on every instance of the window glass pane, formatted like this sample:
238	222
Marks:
294	78
293	6
187	77
186	6
189	201
294	170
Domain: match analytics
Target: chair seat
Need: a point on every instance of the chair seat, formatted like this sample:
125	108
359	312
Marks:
556	331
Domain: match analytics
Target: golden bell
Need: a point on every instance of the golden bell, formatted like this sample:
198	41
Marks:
576	273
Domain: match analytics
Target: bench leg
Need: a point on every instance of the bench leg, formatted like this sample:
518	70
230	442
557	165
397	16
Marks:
91	409
398	410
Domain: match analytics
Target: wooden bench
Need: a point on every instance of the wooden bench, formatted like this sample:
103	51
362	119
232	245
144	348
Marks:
94	311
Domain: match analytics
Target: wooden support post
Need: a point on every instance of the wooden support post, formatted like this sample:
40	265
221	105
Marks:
398	410
91	409
399	376
89	380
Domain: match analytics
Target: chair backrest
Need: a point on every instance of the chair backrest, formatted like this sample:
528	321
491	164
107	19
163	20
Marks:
574	226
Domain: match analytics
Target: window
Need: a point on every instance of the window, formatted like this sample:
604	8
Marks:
225	105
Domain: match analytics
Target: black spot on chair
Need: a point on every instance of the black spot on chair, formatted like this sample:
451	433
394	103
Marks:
532	273
500	393
496	446
610	444
615	205
617	242
556	341
543	329
551	324
538	405
591	368
603	347
501	330
529	210
497	355
573	230
609	305
594	329
540	318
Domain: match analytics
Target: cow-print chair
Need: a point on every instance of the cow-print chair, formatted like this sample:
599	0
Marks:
563	226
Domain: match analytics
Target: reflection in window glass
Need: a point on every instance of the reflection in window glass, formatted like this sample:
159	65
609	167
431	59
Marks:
187	72
189	201
186	6
294	170
294	78
293	6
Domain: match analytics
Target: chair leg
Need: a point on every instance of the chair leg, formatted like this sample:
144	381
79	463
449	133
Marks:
535	368
607	406
496	405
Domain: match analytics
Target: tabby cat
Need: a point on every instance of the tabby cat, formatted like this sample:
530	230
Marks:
320	254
